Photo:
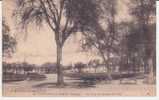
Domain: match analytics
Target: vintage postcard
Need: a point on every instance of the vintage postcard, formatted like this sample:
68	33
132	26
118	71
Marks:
79	48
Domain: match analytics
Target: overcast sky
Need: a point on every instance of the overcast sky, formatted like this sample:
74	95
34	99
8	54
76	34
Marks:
39	46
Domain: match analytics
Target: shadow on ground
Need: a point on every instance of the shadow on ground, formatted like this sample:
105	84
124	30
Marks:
67	85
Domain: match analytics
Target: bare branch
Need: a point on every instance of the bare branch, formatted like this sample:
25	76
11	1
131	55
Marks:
52	11
47	16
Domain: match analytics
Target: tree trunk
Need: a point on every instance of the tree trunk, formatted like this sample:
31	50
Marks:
106	63
108	66
60	79
150	78
145	66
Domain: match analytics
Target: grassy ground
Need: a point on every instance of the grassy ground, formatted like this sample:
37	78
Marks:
73	87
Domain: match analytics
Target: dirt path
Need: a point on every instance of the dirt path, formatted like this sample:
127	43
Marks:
48	88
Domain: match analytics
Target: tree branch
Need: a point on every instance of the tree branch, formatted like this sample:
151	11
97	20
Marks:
61	9
52	12
47	16
68	33
66	25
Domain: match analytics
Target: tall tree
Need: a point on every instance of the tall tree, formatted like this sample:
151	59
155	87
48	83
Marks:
102	35
144	14
64	17
109	19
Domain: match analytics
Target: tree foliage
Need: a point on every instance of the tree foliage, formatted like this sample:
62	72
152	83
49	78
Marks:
64	17
8	42
102	35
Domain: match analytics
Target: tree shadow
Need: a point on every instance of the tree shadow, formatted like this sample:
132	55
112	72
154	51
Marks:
45	85
78	85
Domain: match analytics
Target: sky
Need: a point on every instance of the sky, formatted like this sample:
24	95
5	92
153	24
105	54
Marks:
39	46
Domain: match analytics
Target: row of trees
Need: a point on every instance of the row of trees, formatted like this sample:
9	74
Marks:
133	41
96	20
142	33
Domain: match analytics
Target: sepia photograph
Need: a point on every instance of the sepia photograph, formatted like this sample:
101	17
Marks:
78	48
